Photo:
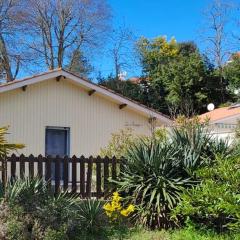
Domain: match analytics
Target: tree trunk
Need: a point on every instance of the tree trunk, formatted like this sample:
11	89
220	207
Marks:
5	60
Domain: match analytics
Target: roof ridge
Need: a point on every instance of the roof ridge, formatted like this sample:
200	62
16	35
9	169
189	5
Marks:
61	70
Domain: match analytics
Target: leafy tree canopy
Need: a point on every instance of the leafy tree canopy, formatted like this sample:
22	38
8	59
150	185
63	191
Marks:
232	72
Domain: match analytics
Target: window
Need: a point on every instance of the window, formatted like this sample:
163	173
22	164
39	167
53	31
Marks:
57	143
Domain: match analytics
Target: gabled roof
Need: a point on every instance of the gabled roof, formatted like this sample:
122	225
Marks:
123	101
220	113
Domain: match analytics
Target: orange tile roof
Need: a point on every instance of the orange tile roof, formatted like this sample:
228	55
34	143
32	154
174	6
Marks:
220	113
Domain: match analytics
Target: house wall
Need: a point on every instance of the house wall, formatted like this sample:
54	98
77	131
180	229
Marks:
91	119
225	128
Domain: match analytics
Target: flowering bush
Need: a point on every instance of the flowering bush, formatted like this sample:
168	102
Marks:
114	209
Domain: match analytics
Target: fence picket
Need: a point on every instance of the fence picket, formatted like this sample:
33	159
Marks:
48	176
82	176
114	168
31	166
57	174
13	166
89	178
74	174
22	166
40	166
106	175
65	173
98	177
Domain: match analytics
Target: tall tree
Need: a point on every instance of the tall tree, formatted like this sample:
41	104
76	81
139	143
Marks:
11	18
215	34
59	28
232	73
185	80
121	49
177	76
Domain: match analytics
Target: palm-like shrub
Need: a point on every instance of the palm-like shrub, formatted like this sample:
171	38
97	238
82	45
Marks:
28	193
157	172
152	180
5	147
91	215
197	147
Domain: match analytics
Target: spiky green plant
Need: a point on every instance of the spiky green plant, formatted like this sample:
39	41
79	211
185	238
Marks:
5	147
28	193
91	215
156	172
153	182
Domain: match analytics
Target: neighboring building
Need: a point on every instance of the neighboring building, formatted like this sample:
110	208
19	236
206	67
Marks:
233	56
58	112
135	80
223	121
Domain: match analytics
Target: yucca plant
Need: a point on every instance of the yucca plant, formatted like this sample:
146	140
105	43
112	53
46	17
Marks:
157	172
197	147
152	181
91	215
27	193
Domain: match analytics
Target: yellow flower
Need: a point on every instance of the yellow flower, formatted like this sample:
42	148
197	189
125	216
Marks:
124	212
116	205
116	197
108	207
131	208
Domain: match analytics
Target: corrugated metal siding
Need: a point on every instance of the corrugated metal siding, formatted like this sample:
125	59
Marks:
91	119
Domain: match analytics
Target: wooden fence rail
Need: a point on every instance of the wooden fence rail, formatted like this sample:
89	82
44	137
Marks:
88	177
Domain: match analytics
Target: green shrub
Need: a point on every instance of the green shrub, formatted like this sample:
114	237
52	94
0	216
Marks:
152	181
52	234
16	229
30	202
157	171
27	193
118	144
215	202
91	215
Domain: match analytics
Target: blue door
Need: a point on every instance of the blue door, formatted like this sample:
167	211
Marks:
57	143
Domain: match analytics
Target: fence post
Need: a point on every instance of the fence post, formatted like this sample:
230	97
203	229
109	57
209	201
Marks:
74	174
106	175
22	166
40	166
98	177
82	176
89	178
31	166
57	174
65	173
4	170
48	176
13	166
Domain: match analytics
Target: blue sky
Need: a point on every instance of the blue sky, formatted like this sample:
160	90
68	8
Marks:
181	19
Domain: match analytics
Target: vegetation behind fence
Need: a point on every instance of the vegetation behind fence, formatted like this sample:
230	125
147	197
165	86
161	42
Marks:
88	177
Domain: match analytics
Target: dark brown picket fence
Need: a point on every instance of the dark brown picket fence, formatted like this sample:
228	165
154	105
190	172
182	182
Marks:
88	177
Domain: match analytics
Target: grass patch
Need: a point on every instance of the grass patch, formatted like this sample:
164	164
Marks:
183	234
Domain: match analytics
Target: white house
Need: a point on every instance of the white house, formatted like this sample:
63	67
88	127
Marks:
223	121
58	112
